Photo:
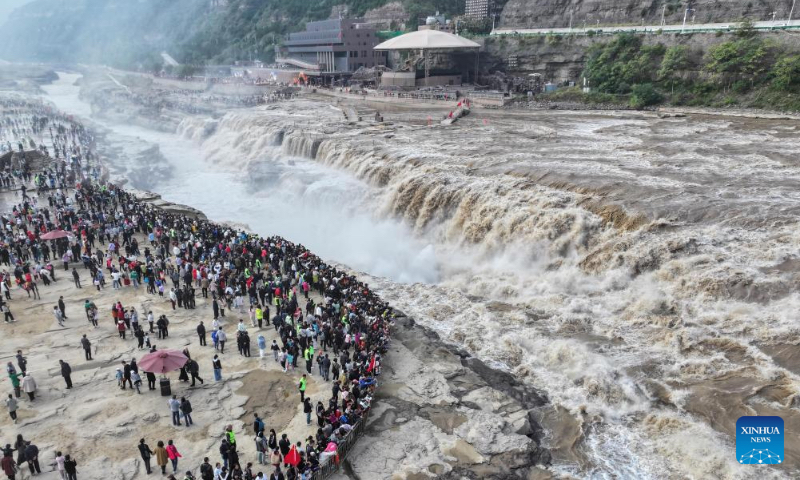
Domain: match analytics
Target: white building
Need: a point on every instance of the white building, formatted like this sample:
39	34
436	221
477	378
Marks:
477	9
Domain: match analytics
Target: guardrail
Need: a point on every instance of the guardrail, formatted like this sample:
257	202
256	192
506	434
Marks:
343	449
650	30
497	98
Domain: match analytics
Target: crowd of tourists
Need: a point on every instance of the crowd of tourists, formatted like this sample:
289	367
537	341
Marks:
329	323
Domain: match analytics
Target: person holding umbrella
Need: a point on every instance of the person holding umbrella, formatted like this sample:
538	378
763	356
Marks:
162	361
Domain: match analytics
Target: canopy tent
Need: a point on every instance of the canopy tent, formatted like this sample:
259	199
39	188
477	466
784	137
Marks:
427	40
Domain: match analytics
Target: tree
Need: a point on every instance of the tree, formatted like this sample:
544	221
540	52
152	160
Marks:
746	29
746	59
644	95
675	62
786	73
622	61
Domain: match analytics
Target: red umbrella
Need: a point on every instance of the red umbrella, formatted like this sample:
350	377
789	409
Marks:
55	234
292	458
163	361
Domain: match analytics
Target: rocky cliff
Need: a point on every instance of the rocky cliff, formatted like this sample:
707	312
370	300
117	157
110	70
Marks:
556	13
560	59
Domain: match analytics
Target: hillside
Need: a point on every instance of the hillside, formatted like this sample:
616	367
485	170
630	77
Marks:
555	13
129	33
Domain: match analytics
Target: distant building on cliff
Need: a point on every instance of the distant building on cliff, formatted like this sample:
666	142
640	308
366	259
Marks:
337	45
477	9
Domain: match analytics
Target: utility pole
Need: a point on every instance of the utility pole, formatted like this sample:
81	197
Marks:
685	14
570	20
791	12
663	11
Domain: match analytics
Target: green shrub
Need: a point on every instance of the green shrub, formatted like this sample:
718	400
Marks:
644	95
741	86
785	73
623	60
676	60
746	58
553	39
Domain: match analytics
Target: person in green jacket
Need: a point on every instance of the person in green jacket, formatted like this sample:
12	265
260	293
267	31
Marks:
302	388
15	383
230	436
308	355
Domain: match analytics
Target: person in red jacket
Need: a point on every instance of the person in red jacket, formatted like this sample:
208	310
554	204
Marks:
172	453
8	464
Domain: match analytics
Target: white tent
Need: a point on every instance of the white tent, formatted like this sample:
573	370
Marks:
427	40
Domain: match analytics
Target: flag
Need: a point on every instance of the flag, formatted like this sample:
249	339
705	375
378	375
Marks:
292	458
371	364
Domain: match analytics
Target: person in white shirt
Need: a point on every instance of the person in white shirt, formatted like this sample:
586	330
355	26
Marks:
60	465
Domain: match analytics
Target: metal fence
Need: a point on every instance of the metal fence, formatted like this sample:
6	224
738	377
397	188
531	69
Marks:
433	97
343	449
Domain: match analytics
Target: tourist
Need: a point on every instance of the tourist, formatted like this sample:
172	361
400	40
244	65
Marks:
66	372
151	380
11	405
8	316
71	467
162	457
146	453
60	460
201	333
186	410
87	347
137	381
302	387
217	366
58	316
275	349
29	386
206	470
32	457
9	466
61	305
173	454
262	345
175	408
307	409
261	447
221	338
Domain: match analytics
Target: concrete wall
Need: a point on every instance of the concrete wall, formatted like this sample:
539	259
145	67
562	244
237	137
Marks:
398	79
439	80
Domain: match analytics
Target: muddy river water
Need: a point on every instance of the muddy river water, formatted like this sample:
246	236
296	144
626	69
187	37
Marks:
640	271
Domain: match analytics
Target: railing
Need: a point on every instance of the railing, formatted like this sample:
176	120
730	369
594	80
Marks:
344	448
448	96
